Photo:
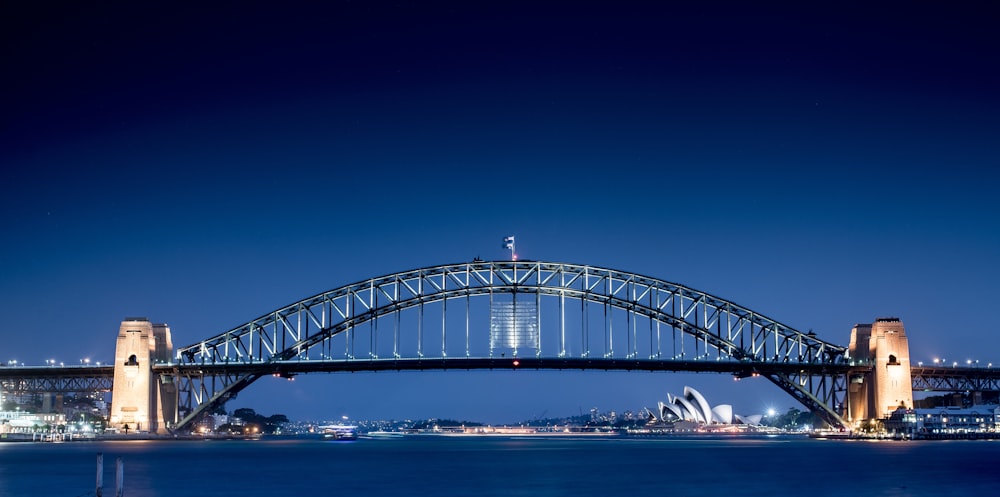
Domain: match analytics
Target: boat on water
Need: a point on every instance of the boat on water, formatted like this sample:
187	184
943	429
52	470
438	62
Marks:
339	432
384	434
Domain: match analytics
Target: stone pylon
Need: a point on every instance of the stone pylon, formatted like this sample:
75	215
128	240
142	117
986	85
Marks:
884	346
142	400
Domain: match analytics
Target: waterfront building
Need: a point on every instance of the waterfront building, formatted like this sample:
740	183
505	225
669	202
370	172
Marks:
945	420
692	407
23	422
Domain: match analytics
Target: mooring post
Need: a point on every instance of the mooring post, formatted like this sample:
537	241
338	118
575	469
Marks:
99	491
119	477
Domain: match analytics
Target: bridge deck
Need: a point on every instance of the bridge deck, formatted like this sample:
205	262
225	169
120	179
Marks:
511	363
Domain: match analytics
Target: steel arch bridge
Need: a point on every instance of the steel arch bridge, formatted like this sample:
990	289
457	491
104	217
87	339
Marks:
512	314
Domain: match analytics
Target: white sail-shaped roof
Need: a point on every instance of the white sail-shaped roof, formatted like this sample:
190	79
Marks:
671	410
750	420
691	413
704	410
723	413
694	407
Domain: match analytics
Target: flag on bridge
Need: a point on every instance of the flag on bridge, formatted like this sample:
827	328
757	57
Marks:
508	242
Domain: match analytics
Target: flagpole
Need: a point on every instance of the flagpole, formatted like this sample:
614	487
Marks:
508	243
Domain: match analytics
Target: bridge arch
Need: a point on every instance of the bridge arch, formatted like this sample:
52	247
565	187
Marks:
706	332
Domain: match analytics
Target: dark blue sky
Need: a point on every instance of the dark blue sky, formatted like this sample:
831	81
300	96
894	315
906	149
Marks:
204	165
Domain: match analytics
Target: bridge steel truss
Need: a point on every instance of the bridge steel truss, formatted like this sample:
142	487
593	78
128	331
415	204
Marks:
966	379
68	379
683	326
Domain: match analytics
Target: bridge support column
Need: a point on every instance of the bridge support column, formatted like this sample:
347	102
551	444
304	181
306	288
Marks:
141	400
887	387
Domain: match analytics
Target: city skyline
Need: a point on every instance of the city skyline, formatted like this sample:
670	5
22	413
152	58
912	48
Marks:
204	165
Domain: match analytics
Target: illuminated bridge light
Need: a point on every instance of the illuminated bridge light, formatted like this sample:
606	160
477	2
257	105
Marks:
514	324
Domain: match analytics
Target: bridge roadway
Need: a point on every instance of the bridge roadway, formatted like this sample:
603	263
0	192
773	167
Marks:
289	368
89	378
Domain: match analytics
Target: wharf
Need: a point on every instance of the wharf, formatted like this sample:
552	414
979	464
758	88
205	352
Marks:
905	436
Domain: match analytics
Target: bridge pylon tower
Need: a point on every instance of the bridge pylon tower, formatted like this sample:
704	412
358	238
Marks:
141	399
875	393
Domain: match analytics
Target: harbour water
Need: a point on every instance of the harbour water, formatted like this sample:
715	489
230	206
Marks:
472	466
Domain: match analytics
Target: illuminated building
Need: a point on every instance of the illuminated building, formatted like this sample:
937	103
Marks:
693	407
945	420
23	422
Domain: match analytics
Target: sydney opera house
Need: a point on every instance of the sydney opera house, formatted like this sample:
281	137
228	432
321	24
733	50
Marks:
693	407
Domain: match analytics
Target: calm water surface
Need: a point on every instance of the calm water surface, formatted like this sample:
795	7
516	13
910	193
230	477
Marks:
442	466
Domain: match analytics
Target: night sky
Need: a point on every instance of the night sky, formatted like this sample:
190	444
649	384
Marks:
202	165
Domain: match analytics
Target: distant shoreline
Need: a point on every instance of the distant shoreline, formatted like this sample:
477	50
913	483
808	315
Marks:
606	435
